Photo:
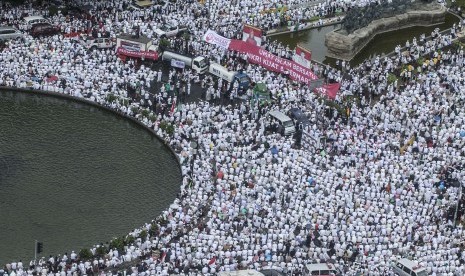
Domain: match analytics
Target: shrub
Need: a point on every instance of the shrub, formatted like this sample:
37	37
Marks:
164	44
134	109
118	244
129	239
101	251
143	235
391	78
145	112
111	98
152	117
85	254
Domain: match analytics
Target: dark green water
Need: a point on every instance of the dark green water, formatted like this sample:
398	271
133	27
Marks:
381	44
73	175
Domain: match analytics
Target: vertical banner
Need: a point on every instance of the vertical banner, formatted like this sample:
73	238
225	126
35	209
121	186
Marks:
252	35
302	56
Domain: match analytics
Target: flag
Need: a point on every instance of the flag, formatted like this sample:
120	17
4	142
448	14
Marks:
214	38
212	261
302	56
173	106
329	90
252	35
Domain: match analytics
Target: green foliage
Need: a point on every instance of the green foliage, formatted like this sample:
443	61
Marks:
391	78
153	229
170	129
145	112
118	244
85	254
167	127
420	61
53	10
314	18
101	251
124	102
164	44
143	235
134	109
152	117
111	98
129	240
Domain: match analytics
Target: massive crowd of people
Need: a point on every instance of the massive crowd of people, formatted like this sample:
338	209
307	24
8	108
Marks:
383	184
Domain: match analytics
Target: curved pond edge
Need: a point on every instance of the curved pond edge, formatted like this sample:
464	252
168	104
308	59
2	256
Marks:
347	46
95	104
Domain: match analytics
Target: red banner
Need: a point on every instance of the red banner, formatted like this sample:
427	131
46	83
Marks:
329	90
273	63
141	54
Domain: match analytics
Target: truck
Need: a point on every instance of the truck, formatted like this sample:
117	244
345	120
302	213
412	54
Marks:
198	64
91	43
241	78
136	46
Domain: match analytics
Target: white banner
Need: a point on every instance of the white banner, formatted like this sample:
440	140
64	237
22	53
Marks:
214	38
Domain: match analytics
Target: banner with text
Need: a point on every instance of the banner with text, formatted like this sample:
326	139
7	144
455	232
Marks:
302	56
273	63
214	38
141	54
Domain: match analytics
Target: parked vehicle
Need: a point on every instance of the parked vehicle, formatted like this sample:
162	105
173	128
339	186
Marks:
241	78
406	267
321	269
170	29
199	64
33	20
96	43
140	5
249	272
137	47
285	124
7	32
44	29
300	119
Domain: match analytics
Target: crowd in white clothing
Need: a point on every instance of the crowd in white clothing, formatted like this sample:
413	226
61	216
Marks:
382	186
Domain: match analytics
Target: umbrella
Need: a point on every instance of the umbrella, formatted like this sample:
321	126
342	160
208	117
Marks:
51	78
462	133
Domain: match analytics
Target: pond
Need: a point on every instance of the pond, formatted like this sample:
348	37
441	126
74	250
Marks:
74	175
314	40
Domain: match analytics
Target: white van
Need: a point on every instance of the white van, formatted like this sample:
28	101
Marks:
286	125
34	19
321	269
249	272
406	267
